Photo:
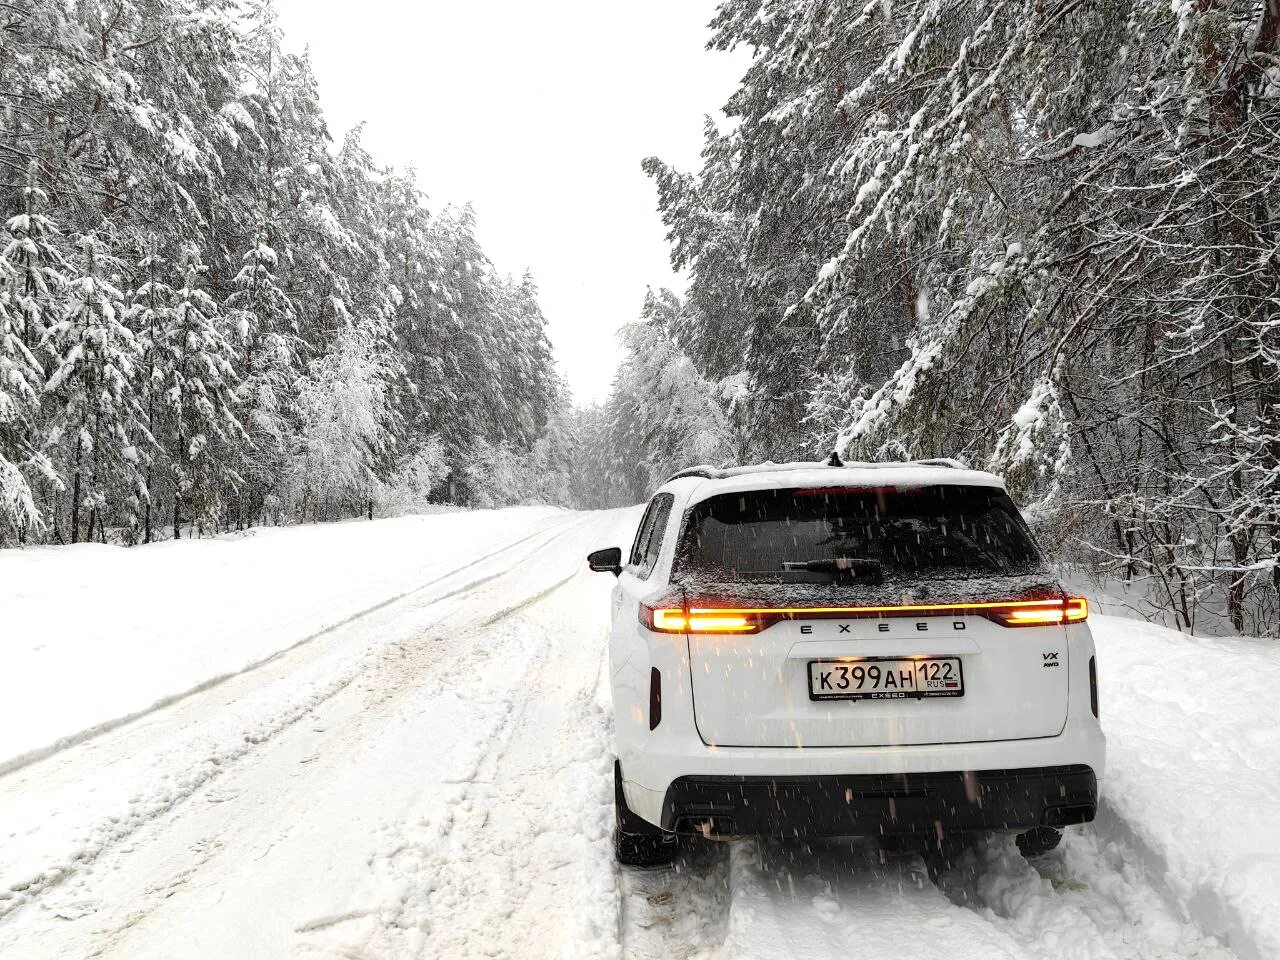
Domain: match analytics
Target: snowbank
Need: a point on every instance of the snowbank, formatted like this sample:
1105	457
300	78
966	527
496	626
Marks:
1193	778
93	633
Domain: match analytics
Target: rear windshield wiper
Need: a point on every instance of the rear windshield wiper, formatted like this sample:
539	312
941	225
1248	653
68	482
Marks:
840	568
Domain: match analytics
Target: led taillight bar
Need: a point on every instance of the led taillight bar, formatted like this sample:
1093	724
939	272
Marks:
1009	613
1071	610
676	620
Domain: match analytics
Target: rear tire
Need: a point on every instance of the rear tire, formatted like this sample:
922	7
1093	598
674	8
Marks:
1038	841
944	854
636	841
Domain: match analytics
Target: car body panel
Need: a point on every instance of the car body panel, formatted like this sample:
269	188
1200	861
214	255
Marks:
1042	719
754	690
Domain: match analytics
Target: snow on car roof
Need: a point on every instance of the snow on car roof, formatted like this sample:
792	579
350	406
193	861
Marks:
916	473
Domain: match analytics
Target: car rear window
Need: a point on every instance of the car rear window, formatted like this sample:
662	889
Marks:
873	534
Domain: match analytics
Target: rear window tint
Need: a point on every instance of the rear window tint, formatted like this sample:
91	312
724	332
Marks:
821	535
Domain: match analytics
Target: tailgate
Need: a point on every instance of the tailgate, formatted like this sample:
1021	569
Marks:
755	690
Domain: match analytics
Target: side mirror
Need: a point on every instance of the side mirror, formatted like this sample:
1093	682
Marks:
606	561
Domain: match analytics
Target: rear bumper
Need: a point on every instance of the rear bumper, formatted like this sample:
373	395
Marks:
876	804
670	753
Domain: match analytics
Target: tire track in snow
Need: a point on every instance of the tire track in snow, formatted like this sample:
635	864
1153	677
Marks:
680	911
183	784
514	860
14	764
770	898
1207	905
1092	899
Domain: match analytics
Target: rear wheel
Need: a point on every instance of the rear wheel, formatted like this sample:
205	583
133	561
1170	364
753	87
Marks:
637	842
943	853
1038	841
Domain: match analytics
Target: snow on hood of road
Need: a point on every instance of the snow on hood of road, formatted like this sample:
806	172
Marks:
95	633
1193	770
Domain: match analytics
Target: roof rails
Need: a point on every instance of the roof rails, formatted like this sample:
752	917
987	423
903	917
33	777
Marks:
708	472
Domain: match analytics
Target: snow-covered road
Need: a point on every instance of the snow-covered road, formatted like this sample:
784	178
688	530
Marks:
399	786
432	778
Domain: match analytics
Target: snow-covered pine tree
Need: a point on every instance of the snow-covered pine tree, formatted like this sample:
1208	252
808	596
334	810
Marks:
480	324
663	415
591	481
553	461
152	316
734	325
467	313
93	389
194	364
365	305
36	269
21	378
290	185
1195	224
525	369
33	277
301	251
263	322
414	270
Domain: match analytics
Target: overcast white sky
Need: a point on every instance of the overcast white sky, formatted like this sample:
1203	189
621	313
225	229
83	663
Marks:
538	112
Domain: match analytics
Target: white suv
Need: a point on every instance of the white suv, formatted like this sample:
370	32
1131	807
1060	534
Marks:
862	649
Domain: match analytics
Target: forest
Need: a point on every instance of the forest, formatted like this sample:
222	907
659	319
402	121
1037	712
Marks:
212	315
1043	238
1040	237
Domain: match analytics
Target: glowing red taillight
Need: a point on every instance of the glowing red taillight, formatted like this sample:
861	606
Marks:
663	618
1039	613
678	620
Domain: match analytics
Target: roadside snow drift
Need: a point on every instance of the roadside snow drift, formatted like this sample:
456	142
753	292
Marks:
1193	728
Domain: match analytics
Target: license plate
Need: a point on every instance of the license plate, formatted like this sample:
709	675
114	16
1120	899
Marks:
885	678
